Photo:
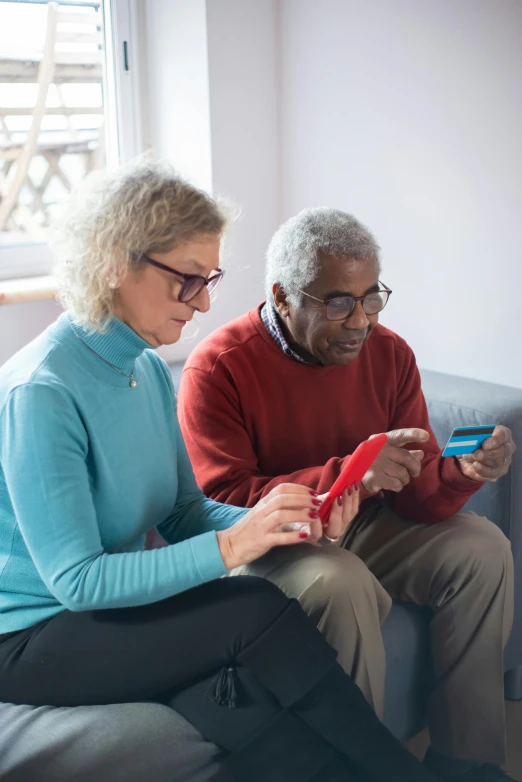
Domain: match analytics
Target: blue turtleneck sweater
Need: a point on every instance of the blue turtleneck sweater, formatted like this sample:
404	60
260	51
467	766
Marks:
87	466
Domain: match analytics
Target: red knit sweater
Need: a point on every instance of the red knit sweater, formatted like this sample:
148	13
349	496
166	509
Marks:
253	418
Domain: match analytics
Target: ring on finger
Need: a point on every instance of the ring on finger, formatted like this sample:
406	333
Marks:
330	540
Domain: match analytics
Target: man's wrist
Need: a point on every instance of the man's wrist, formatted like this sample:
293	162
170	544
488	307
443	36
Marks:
454	479
460	465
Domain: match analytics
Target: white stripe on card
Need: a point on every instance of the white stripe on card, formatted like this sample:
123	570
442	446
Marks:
460	443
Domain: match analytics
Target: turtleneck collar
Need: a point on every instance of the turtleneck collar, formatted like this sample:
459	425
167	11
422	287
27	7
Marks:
118	343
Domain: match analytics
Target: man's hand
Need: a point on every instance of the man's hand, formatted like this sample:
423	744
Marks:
395	466
493	460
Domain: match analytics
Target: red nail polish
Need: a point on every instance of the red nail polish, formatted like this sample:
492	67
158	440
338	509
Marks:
313	493
317	502
350	491
340	500
303	535
313	514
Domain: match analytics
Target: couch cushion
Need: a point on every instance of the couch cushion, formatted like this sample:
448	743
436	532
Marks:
408	666
117	743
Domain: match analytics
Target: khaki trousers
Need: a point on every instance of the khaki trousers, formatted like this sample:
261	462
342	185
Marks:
461	568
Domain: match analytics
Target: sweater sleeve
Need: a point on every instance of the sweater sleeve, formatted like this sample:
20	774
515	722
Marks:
221	450
441	490
193	513
44	449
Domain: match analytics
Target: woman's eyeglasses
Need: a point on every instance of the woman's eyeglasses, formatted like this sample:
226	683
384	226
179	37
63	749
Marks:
341	307
192	283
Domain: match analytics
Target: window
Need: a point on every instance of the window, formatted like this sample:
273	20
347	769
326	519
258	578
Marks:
68	105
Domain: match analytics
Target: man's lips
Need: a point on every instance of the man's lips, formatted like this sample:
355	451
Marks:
351	344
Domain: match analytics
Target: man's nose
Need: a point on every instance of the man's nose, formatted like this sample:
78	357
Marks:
358	319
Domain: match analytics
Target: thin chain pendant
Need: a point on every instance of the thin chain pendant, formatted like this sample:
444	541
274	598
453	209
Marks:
132	383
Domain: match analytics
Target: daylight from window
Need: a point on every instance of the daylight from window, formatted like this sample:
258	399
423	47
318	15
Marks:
51	111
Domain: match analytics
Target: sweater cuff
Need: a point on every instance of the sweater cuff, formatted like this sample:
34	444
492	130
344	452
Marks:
454	479
207	556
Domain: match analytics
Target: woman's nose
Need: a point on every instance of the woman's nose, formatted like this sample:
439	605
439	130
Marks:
201	302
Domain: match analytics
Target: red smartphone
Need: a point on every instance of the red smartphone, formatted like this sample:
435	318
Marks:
358	464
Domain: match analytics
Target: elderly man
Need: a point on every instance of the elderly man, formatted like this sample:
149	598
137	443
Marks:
285	393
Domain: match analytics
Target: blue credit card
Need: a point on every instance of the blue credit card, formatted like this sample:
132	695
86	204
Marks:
467	439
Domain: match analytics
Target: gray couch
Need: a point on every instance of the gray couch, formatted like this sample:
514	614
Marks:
134	742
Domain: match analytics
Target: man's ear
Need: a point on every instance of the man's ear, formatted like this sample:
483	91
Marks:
280	300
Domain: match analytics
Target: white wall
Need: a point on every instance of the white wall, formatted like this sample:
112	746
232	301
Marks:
20	323
243	133
242	53
176	84
409	115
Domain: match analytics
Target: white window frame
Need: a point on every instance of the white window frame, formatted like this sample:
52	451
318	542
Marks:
124	125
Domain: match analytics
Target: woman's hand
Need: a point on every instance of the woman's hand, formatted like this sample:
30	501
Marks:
289	507
343	512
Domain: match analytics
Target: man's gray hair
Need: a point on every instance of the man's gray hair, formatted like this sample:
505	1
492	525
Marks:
293	255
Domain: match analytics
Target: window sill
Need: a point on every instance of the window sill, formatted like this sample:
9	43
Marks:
27	289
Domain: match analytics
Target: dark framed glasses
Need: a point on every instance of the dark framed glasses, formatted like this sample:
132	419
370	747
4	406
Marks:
192	284
341	307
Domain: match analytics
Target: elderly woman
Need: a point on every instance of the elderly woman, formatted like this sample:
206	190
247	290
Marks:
91	458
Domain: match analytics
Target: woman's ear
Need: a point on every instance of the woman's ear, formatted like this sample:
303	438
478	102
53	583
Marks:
120	267
280	300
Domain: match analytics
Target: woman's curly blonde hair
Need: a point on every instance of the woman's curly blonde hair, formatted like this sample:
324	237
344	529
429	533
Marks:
113	219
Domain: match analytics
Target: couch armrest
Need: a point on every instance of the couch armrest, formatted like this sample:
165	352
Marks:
457	401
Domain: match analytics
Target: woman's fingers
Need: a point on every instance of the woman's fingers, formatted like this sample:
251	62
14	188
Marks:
291	515
287	519
291	501
351	501
285	489
335	526
316	530
344	510
290	504
288	538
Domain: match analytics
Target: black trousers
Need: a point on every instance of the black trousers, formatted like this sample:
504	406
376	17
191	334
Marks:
132	654
170	651
298	716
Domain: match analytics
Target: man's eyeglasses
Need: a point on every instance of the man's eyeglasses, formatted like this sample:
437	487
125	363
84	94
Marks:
341	307
192	283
